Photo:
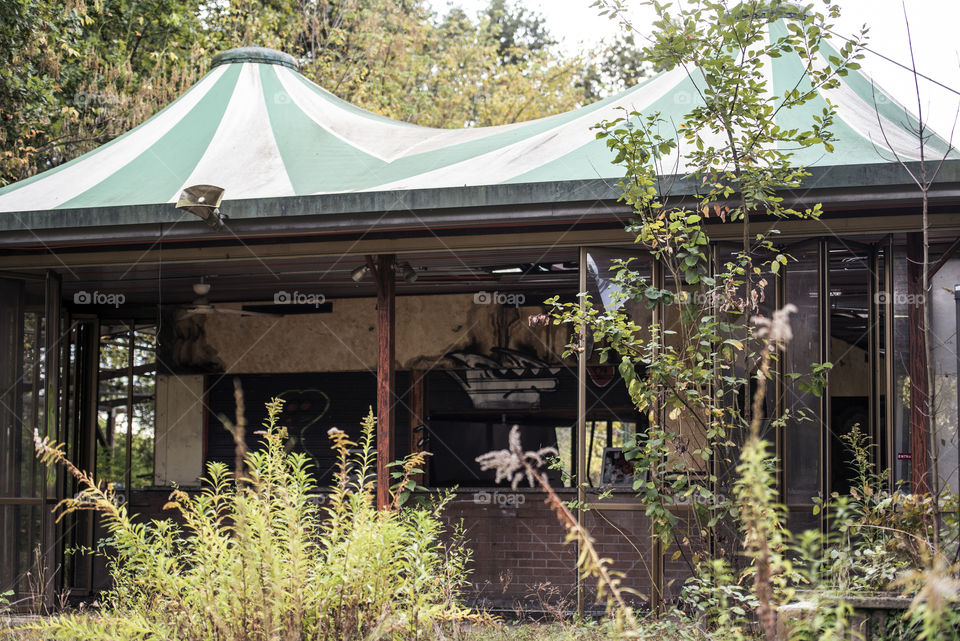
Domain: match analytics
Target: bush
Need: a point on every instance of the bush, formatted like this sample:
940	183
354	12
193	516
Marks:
259	558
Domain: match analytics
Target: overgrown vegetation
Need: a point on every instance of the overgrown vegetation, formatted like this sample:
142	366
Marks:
257	557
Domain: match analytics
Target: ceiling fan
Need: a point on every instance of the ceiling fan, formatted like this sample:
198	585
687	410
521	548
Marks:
202	306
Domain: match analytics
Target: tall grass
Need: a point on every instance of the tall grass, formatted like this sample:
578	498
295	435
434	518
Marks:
260	558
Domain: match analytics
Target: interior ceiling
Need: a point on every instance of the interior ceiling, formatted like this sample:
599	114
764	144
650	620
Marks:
532	272
539	274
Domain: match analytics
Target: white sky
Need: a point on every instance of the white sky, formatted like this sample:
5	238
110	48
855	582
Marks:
935	25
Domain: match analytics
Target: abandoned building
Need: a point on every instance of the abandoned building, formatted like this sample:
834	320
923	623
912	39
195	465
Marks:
260	229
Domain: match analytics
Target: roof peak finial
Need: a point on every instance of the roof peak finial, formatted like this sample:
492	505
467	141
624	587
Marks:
258	55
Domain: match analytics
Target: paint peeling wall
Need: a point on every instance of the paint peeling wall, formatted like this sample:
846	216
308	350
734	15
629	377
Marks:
346	339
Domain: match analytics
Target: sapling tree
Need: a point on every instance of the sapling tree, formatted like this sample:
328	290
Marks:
725	160
931	153
931	572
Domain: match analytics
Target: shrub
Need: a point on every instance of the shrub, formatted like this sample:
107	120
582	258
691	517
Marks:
259	558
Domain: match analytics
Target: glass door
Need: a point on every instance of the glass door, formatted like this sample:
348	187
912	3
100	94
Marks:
856	372
29	402
804	434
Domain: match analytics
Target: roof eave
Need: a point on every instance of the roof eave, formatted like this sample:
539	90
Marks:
845	186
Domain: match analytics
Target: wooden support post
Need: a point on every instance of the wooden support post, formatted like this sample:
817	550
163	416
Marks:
418	417
386	302
916	300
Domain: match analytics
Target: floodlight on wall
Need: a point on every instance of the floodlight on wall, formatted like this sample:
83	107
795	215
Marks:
203	201
359	273
409	273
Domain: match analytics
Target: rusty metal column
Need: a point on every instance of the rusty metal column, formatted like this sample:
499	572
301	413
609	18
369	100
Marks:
888	364
656	546
581	462
386	304
826	422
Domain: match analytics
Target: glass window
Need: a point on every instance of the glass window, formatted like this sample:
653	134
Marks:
943	347
804	426
125	440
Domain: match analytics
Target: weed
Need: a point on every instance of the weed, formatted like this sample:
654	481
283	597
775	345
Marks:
255	557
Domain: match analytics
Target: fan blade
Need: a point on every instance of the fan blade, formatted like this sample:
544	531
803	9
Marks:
241	312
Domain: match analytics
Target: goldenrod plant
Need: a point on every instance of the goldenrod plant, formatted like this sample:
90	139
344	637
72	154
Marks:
270	558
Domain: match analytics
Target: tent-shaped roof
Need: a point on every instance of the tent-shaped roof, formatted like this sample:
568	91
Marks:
256	127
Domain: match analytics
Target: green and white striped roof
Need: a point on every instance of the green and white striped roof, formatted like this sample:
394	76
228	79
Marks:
256	127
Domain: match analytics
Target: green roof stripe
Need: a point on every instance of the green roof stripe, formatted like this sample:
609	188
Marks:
889	108
348	106
315	159
851	147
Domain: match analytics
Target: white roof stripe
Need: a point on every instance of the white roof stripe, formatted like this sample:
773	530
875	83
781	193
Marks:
862	118
379	138
69	182
243	157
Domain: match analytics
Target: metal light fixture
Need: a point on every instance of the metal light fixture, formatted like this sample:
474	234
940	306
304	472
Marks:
405	270
409	273
203	201
360	273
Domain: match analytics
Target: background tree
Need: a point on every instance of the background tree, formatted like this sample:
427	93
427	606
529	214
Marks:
618	64
518	32
79	74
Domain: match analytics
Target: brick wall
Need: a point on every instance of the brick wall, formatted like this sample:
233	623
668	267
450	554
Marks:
518	548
